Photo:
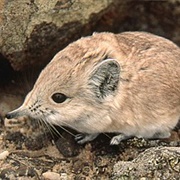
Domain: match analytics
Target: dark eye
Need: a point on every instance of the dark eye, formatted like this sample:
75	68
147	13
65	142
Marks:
59	97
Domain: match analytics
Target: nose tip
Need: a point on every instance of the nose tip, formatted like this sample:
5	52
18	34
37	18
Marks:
15	114
9	115
12	114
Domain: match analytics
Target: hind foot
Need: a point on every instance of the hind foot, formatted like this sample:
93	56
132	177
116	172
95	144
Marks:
83	138
117	139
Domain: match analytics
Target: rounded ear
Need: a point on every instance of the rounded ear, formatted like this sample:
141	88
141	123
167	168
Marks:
104	78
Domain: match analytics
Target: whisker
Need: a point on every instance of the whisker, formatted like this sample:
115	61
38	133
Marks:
42	124
107	135
68	125
53	129
46	125
74	128
67	131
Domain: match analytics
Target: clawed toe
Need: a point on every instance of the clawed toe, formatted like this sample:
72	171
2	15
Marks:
114	141
83	138
79	137
117	139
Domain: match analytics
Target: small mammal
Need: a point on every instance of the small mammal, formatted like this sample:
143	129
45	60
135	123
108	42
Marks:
126	83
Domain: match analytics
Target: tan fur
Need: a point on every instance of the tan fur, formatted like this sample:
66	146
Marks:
147	99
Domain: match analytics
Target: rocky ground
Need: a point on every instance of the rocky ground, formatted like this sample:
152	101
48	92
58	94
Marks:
29	151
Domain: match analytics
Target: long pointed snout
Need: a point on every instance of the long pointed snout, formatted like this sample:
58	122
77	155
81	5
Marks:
16	113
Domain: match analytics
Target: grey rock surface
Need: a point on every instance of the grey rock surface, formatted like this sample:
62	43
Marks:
156	162
33	31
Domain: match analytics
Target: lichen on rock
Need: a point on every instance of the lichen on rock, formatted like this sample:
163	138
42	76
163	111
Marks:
156	162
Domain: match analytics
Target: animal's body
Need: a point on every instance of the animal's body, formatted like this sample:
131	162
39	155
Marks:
127	83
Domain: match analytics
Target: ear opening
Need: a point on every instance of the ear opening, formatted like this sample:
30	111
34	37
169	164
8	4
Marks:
105	78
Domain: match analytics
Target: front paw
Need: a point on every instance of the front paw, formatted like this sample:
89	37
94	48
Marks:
83	138
79	138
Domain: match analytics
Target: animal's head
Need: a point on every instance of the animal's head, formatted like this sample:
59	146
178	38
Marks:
74	88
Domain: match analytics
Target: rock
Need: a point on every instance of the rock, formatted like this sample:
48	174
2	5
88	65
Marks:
16	138
8	102
157	162
26	171
51	175
67	145
32	35
33	31
6	71
8	173
4	155
36	142
158	17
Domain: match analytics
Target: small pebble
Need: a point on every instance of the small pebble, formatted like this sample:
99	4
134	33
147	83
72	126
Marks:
67	146
4	155
51	176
